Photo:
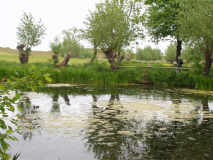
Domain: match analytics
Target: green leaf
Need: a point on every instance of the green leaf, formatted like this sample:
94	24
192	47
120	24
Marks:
5	146
5	156
8	80
13	138
10	107
2	124
40	83
17	96
20	109
10	130
48	79
46	75
2	86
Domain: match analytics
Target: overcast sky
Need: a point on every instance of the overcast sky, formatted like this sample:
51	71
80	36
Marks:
56	15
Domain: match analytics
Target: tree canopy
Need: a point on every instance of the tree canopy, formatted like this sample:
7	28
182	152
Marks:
196	28
162	20
109	29
30	33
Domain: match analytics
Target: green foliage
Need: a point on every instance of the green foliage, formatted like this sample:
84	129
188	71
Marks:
71	44
32	79
55	47
192	55
196	22
30	32
204	83
171	53
99	72
108	27
161	18
148	54
129	55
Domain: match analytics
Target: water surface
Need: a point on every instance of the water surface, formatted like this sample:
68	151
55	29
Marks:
116	123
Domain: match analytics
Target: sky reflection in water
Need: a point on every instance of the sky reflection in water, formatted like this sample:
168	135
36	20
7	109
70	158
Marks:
120	122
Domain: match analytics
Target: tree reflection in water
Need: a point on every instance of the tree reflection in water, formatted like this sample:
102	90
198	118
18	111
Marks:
125	126
29	117
111	135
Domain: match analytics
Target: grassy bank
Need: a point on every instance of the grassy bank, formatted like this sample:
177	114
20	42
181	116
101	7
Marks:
100	73
80	71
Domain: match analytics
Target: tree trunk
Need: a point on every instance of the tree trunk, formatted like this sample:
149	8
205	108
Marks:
23	57
120	60
119	54
95	54
66	59
111	58
179	48
208	64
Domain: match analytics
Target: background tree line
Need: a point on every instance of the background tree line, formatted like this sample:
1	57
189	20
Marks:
116	24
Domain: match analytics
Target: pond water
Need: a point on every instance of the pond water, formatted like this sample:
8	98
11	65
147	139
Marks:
116	123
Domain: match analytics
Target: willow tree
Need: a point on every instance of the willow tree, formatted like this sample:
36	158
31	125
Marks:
108	29
196	22
30	34
162	21
55	47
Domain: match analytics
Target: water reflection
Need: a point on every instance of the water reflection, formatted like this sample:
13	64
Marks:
127	122
29	118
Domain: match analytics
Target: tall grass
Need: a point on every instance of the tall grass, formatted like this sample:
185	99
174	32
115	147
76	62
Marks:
100	73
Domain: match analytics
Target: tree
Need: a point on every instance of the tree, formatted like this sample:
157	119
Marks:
148	54
108	28
196	29
30	34
129	55
161	21
133	16
55	47
71	43
170	53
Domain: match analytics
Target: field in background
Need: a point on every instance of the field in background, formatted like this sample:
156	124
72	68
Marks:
12	55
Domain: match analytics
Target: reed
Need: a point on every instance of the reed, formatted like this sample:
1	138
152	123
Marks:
100	73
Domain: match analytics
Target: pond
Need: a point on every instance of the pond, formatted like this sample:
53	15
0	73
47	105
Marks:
116	123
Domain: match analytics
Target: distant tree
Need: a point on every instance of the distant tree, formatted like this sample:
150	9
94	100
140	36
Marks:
170	53
161	21
108	28
148	54
129	55
30	34
159	54
55	47
196	22
139	54
71	43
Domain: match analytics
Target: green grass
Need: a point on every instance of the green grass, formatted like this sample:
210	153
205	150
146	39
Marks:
81	71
